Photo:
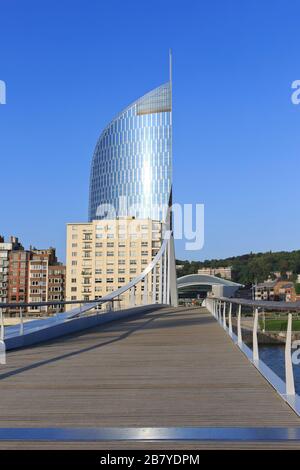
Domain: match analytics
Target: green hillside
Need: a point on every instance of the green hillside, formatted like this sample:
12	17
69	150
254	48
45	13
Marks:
249	268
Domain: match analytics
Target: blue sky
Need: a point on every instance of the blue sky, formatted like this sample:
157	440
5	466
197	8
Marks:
71	65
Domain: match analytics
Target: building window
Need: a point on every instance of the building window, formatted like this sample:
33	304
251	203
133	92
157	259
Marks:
87	236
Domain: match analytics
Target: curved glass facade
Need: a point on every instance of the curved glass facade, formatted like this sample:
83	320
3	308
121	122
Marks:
132	162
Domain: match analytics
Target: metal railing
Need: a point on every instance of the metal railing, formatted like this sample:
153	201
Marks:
166	294
226	309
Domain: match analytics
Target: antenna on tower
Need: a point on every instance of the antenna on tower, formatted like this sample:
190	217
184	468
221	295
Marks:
170	214
170	76
170	65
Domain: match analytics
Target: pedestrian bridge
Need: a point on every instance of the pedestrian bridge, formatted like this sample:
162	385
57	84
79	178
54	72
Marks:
153	379
152	374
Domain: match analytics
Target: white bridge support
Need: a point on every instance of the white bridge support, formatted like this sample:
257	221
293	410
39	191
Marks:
21	322
165	296
254	337
132	296
160	292
2	352
224	315
173	294
239	326
154	285
218	307
2	331
230	319
289	375
145	293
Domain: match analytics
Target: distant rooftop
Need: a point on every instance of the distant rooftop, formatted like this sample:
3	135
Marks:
205	279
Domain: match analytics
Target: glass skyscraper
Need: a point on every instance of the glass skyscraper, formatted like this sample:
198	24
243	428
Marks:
132	162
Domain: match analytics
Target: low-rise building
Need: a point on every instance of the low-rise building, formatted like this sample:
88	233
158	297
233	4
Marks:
285	291
224	271
276	291
18	277
279	275
5	249
265	290
32	275
179	267
38	274
56	286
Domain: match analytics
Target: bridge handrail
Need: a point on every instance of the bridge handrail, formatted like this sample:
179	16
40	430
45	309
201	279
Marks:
4	305
262	304
167	288
221	309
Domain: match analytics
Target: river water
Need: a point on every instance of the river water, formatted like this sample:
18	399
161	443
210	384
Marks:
273	356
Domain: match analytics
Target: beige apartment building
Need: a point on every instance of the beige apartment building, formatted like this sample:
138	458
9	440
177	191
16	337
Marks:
104	255
56	287
224	272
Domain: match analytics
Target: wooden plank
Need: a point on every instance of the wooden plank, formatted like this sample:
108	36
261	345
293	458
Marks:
171	367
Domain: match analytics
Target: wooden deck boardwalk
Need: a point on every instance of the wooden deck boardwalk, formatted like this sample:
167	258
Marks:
171	367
